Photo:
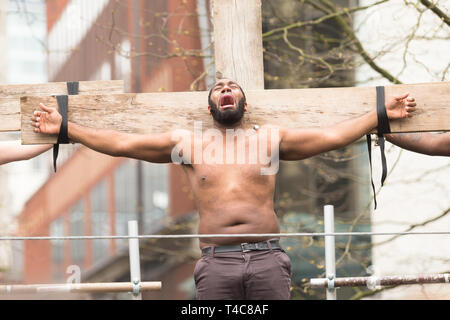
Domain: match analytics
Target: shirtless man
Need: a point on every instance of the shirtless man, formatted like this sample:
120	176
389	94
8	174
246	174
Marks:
13	151
426	143
231	198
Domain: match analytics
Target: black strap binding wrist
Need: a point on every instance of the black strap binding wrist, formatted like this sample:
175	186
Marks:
63	108
382	128
383	120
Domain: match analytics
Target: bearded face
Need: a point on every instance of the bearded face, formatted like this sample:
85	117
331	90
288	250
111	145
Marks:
227	115
227	102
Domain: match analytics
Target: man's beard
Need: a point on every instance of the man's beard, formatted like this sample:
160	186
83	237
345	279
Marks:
228	116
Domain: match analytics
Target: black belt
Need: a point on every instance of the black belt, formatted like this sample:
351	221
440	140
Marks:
244	247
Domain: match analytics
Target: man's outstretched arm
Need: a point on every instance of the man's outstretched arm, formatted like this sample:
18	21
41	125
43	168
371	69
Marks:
298	144
153	148
13	151
426	143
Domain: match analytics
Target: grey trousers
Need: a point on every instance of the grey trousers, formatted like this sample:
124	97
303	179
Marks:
253	275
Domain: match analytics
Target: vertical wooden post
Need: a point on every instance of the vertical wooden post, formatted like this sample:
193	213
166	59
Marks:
238	42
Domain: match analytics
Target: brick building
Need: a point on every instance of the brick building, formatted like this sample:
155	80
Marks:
94	194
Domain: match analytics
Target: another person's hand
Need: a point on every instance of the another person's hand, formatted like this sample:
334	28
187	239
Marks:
400	107
46	121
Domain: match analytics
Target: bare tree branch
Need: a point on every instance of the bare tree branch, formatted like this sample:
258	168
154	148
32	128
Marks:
441	14
359	47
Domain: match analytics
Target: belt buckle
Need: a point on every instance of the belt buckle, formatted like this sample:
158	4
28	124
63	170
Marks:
243	249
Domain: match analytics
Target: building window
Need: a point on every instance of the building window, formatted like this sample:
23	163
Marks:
156	30
102	73
126	197
155	194
26	32
122	64
57	248
77	229
100	221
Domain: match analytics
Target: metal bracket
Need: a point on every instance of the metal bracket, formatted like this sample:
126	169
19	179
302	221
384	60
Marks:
331	282
136	288
376	143
373	282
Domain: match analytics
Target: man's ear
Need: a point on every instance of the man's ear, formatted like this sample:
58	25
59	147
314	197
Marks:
209	109
245	107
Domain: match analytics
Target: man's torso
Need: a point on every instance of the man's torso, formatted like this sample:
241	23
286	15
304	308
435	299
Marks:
235	196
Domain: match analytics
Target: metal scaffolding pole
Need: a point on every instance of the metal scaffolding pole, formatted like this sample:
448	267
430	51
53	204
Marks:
374	281
330	255
135	286
79	287
135	266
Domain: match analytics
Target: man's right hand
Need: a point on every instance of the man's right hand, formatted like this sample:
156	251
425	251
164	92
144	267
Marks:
46	121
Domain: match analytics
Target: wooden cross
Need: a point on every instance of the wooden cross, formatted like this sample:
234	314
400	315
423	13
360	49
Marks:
10	113
239	56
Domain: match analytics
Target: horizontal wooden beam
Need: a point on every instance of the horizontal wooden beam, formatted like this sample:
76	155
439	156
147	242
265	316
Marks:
10	97
301	108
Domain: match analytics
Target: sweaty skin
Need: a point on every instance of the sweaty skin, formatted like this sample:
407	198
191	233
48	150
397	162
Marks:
232	198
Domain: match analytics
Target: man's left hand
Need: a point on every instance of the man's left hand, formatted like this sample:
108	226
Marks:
400	107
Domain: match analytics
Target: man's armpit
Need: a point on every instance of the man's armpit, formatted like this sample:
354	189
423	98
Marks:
183	148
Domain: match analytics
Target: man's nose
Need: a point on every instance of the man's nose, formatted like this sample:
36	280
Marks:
226	89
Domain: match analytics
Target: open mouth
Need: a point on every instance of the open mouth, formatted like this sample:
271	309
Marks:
227	101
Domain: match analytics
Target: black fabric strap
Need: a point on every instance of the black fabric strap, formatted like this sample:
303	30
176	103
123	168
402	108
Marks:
72	88
369	148
382	128
383	120
63	108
